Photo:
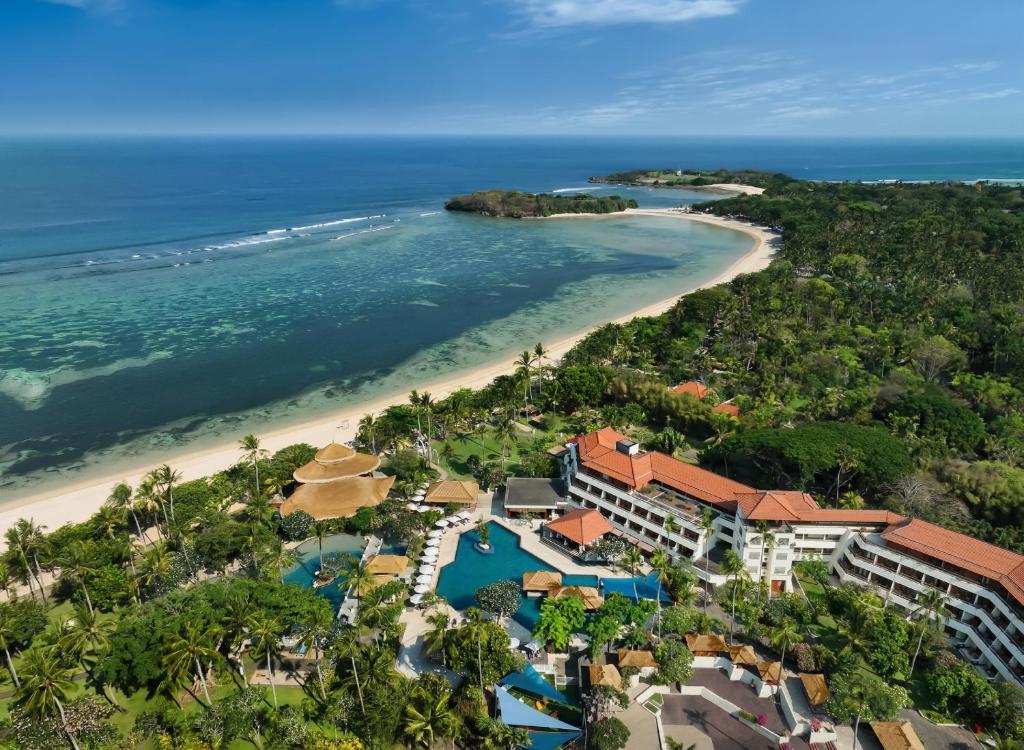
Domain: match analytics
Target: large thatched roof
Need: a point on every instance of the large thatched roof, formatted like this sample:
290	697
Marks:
340	499
317	472
452	491
334	452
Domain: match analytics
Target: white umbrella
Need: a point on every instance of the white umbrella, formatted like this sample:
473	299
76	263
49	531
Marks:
412	506
465	515
421	589
416	599
418	496
435	534
441	524
425	485
423	508
433	543
453	519
424	580
513	643
427	569
428	558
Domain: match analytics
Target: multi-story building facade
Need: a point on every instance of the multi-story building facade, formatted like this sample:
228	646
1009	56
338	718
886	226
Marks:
656	501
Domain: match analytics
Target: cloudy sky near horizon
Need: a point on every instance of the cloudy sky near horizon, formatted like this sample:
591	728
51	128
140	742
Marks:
676	67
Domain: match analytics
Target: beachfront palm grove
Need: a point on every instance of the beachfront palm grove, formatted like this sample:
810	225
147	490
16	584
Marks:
876	364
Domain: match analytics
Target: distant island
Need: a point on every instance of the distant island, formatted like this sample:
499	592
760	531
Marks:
697	179
519	205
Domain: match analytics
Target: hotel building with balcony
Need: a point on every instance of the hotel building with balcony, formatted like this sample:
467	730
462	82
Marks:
656	501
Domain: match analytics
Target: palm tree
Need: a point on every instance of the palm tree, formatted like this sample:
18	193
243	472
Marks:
539	355
433	639
280	558
156	564
854	631
660	564
784	637
187	649
321	530
266	632
121	499
167	478
414	399
767	542
312	633
46	685
671	527
87	639
707	525
20	541
427	405
732	566
149	501
524	363
368	426
631	560
431	719
505	432
252	452
6	580
357	575
931	614
76	566
8	628
348	647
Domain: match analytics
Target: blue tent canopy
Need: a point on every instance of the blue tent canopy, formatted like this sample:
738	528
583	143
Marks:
531	681
549	740
515	713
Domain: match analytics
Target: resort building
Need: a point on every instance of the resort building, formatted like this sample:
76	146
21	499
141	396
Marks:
700	391
452	492
538	497
655	501
336	484
578	530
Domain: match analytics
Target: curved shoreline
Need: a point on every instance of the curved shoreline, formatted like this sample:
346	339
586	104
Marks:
78	501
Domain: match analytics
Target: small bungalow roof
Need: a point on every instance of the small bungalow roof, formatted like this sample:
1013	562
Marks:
387	564
742	655
815	687
897	735
541	580
639	659
712	644
590	596
452	491
583	526
692	388
770	671
605	674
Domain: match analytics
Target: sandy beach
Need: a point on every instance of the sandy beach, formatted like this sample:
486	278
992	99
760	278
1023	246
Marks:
76	503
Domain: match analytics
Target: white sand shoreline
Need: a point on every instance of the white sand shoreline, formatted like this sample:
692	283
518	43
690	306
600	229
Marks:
75	503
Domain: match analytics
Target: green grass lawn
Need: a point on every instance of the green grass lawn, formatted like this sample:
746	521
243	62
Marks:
488	449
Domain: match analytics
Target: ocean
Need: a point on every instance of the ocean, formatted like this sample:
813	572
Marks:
159	294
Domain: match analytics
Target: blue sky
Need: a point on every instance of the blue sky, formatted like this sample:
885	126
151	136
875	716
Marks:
677	67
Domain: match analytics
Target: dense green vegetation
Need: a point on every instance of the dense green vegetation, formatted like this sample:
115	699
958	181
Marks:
517	205
693	178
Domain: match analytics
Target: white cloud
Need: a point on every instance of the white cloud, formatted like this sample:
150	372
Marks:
998	94
96	6
554	13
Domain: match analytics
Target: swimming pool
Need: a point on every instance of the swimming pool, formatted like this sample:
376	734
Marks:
472	570
308	563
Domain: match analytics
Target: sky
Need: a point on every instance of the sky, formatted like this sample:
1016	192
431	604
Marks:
599	67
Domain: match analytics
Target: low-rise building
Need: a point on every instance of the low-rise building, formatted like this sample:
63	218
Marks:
656	501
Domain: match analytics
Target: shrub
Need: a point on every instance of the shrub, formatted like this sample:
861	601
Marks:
500	598
608	734
297	525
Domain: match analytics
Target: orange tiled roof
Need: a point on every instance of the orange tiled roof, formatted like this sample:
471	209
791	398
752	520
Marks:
725	408
583	526
775	505
693	388
962	551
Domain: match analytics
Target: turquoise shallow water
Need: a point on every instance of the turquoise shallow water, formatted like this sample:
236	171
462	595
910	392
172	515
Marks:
160	295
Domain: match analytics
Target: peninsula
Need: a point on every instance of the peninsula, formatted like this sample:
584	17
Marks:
747	181
519	205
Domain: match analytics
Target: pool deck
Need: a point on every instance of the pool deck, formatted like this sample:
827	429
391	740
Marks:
411	659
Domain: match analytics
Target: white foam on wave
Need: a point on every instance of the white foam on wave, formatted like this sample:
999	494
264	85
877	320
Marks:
336	222
431	213
586	189
362	231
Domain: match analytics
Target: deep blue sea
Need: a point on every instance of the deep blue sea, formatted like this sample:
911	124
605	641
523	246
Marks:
156	293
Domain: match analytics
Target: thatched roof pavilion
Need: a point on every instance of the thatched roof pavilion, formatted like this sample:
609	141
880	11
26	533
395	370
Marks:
341	499
541	580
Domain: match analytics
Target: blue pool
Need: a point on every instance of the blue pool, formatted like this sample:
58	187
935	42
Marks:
308	563
472	570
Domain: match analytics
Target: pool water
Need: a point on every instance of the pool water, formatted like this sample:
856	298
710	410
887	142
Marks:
308	553
472	570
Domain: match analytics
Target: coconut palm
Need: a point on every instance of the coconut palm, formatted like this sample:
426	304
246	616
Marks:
321	530
166	479
671	526
252	452
21	543
767	542
46	685
427	406
539	355
505	432
784	637
187	649
7	641
524	365
428	719
661	565
630	562
931	614
121	500
854	631
368	427
733	567
6	580
149	501
347	646
86	638
279	558
235	622
357	575
75	566
707	525
312	632
433	639
266	632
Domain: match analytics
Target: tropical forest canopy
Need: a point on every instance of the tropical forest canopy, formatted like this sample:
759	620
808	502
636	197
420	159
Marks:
517	205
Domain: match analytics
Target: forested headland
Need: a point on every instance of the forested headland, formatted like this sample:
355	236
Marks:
693	178
518	205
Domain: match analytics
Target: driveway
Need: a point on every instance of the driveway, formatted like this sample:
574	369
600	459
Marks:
725	732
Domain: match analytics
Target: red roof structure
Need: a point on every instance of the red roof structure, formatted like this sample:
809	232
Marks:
726	408
584	526
960	551
693	388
